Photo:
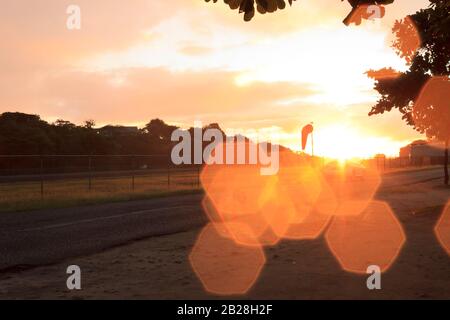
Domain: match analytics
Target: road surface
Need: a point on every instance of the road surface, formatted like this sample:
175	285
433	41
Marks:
29	239
43	237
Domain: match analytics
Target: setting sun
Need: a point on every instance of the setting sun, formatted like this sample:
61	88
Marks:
344	142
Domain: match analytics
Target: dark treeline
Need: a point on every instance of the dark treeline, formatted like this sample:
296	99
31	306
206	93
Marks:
56	144
26	134
65	147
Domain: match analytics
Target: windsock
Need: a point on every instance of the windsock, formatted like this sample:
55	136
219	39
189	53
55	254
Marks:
306	131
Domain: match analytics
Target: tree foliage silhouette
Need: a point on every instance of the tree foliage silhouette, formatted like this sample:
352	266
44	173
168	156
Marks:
268	6
421	93
26	134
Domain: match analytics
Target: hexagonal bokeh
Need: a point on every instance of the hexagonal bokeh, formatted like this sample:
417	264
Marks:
431	108
442	229
223	266
278	209
318	218
211	211
354	186
214	217
373	238
246	230
234	189
302	184
234	193
327	202
310	228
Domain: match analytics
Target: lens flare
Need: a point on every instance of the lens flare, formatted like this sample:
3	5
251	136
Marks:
224	267
234	189
214	217
431	111
442	229
373	238
278	209
354	186
233	193
302	184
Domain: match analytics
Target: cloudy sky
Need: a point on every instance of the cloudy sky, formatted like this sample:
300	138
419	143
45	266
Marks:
188	60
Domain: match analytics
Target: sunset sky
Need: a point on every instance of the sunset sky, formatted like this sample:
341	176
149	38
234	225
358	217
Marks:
188	60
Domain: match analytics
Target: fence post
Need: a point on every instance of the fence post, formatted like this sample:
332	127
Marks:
42	176
168	176
90	173
132	172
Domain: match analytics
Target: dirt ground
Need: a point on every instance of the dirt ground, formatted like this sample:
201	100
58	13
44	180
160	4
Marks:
158	268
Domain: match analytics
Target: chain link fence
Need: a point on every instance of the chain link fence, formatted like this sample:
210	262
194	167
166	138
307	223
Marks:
36	181
71	178
384	164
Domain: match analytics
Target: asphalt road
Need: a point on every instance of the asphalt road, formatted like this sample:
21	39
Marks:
29	239
411	177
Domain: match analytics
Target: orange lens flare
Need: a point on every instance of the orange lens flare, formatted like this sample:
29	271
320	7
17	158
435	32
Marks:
247	230
234	189
259	210
431	111
233	193
243	229
224	267
327	202
442	229
302	184
373	238
278	209
310	228
354	187
214	217
248	211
